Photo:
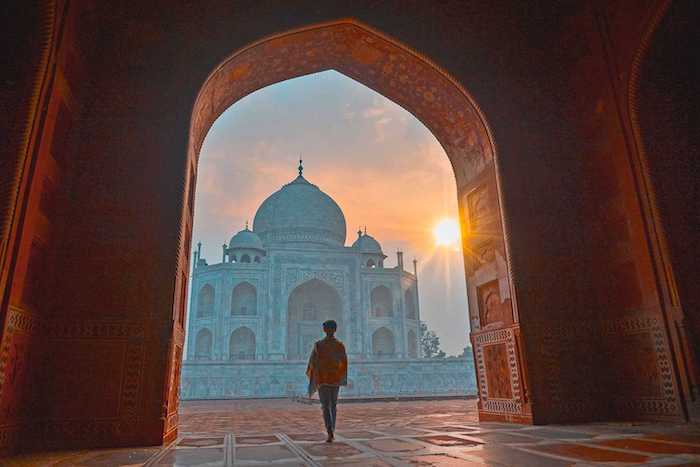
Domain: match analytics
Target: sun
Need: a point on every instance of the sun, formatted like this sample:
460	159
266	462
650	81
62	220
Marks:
446	232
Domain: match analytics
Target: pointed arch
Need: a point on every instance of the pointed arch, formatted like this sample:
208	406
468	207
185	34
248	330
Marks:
382	302
244	300
242	344
383	345
205	301
309	305
410	304
203	345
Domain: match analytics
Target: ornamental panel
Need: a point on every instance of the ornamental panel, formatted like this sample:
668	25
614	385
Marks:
499	380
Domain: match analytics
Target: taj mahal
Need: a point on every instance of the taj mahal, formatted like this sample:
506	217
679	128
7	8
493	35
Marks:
255	315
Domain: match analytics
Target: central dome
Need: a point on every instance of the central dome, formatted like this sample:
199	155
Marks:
300	213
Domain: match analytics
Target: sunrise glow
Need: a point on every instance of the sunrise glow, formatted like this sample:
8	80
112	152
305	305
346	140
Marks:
446	232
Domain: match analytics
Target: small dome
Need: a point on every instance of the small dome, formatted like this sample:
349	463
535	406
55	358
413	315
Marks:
367	244
246	239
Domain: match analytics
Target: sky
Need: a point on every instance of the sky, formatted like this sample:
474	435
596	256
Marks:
380	164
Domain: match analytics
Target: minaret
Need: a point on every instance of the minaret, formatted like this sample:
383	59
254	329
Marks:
399	259
197	254
223	254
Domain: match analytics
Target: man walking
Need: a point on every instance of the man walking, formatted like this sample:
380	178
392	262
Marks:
327	371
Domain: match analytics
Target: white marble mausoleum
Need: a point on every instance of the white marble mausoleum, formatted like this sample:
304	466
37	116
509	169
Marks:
255	315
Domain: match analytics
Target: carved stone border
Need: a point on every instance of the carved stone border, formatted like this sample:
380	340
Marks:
132	334
667	405
499	336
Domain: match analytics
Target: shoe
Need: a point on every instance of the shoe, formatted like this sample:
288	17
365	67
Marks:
330	437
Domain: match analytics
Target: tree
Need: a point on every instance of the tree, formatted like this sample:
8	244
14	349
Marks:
430	343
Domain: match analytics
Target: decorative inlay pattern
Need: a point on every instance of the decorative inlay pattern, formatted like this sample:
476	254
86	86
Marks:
655	362
296	276
506	338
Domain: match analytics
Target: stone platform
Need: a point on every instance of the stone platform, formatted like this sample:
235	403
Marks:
366	378
378	434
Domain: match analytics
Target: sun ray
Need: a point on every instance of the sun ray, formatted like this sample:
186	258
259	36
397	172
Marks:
446	232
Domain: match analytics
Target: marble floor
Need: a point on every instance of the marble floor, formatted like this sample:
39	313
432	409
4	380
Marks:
372	434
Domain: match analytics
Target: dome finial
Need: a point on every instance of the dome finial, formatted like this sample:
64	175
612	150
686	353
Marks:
301	166
359	232
246	225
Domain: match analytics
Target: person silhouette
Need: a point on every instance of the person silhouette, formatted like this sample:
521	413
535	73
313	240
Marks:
327	371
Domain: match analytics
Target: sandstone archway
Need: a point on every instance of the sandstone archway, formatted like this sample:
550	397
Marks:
125	134
446	109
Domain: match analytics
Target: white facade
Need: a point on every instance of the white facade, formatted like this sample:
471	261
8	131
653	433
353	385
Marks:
277	283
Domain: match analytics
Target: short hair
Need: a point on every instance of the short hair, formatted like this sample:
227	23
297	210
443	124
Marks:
330	325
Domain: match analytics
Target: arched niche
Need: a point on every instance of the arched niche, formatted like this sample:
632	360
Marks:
383	345
410	304
205	301
382	302
244	300
309	305
242	344
203	345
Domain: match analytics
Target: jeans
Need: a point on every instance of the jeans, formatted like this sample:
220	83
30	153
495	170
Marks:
329	398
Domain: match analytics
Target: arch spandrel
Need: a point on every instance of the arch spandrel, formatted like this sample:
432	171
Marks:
368	57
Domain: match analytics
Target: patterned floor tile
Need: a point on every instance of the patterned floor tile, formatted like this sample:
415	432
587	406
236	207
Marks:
195	457
273	452
446	440
503	438
657	447
283	433
510	457
588	453
394	445
551	433
331	450
201	442
359	434
257	439
363	462
441	460
690	438
401	431
308	436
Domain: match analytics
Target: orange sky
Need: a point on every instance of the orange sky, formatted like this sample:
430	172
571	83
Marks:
380	164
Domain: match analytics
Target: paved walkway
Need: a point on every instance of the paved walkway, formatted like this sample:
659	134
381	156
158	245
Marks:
411	433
